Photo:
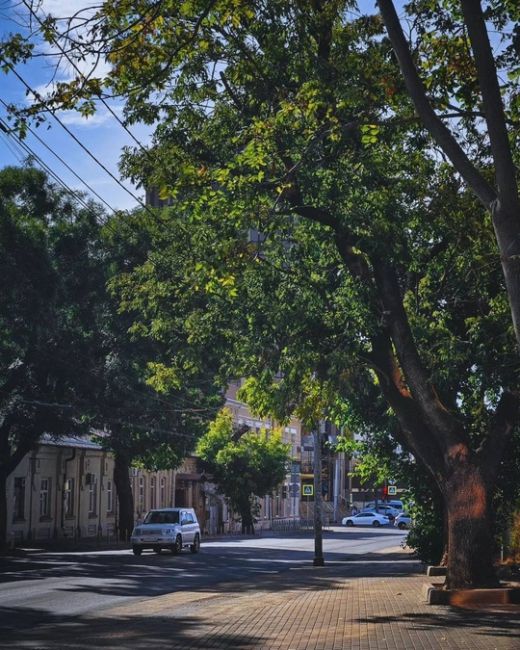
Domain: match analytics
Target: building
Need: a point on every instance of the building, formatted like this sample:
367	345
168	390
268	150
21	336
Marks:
65	487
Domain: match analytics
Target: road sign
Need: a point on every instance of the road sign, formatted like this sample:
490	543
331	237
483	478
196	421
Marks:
307	490
392	490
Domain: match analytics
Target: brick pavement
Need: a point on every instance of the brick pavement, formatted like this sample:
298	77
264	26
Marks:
354	605
373	604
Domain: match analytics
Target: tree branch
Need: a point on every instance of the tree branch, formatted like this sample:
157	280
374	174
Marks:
493	106
418	439
440	133
441	422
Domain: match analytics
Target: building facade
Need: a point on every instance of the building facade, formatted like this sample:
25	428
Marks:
65	488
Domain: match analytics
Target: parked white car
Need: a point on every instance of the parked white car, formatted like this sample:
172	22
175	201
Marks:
388	511
395	504
366	518
171	528
403	520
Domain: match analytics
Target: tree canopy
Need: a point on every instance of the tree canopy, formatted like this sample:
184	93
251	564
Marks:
335	245
243	464
43	303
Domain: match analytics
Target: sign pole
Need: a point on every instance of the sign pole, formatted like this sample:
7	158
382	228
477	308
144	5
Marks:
318	532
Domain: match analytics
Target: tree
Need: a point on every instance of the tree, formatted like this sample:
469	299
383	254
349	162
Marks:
41	329
243	464
286	118
153	412
68	361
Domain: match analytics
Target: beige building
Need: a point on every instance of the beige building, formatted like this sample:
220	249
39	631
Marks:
65	488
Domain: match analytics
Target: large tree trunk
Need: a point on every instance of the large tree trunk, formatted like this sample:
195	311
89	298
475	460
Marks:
124	495
248	526
467	497
3	511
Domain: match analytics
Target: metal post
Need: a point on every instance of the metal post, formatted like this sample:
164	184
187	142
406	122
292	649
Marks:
336	487
318	533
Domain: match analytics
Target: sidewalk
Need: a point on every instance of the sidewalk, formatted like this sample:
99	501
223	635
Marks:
369	604
332	609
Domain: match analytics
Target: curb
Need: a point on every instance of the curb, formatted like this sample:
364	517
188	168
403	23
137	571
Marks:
434	594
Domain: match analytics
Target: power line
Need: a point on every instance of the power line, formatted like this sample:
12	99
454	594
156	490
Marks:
78	141
82	76
65	164
11	146
32	154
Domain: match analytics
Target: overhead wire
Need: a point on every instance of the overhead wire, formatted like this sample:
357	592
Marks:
65	164
77	140
7	132
4	127
16	153
56	42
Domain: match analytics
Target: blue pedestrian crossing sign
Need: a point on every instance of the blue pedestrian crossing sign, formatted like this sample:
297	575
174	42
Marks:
392	490
308	490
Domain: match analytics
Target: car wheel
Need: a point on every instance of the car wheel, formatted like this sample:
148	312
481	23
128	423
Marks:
401	525
349	523
376	523
137	550
195	547
177	547
157	549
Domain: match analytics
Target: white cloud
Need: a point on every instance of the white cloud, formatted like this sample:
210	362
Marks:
73	118
65	8
77	11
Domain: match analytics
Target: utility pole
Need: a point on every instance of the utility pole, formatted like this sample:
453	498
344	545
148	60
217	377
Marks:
318	532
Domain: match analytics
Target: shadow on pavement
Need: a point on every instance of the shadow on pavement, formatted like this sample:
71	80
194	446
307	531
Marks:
78	632
502	624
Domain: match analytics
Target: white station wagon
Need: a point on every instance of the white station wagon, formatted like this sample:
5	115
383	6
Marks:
171	528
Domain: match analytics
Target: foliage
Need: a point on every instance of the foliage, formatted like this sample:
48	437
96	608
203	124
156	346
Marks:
41	310
68	358
157	417
244	465
44	264
372	287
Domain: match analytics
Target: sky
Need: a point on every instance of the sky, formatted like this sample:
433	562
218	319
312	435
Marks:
101	134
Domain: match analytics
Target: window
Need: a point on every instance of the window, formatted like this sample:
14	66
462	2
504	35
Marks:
68	497
110	497
153	492
162	492
187	518
162	517
45	497
19	498
92	495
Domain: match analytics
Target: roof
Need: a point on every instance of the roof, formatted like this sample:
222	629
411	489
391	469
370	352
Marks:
80	442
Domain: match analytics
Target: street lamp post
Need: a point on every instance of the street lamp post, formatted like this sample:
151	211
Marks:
318	532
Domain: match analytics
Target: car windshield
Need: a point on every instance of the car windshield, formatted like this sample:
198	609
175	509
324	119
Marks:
162	517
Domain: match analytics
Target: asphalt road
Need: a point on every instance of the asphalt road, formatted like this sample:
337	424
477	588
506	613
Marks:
44	588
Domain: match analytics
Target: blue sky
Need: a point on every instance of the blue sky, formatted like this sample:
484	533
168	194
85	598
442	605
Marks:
102	134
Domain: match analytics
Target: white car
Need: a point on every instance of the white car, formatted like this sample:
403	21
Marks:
403	520
172	528
366	519
388	511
